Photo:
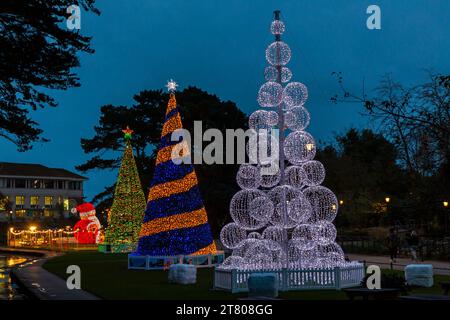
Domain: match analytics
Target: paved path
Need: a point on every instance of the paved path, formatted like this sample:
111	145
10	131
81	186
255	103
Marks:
439	267
43	284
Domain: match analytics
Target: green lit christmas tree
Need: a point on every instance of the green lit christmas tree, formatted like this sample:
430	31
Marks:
129	204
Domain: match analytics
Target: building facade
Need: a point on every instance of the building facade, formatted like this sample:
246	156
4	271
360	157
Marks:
34	191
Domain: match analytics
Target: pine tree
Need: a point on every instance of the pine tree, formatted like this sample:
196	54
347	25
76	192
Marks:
125	216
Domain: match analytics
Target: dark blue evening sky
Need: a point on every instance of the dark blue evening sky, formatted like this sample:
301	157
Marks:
219	46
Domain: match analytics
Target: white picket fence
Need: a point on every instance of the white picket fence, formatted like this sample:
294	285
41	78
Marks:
293	279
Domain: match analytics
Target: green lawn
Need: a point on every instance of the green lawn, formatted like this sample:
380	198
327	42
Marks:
107	276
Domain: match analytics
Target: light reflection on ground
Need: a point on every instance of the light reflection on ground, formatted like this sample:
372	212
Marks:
8	289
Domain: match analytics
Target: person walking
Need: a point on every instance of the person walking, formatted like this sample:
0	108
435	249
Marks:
413	243
392	243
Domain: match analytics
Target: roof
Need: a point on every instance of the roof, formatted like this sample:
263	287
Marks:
35	170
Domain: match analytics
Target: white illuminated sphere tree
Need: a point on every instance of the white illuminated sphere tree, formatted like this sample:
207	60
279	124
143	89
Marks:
282	217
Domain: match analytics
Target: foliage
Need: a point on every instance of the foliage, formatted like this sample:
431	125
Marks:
38	51
416	121
363	170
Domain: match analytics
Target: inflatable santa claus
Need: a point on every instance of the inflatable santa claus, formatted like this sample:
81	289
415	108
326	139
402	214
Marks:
87	229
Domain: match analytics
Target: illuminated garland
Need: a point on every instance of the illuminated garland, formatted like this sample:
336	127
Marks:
125	215
175	220
21	232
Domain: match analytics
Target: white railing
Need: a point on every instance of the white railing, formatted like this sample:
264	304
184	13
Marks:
293	279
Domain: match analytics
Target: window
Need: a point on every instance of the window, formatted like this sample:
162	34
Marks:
2	183
49	184
48	213
66	204
20	201
60	184
34	202
48	201
20	183
9	183
20	213
75	185
4	203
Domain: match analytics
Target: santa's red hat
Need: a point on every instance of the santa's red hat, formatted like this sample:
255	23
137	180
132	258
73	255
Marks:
84	209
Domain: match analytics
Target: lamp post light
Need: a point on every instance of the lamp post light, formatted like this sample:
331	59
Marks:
445	204
387	199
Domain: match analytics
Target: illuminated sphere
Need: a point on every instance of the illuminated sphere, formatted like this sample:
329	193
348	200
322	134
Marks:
248	176
271	74
297	118
330	255
315	172
278	258
304	236
240	209
262	119
323	202
278	53
270	175
281	196
270	94
261	208
308	258
262	148
293	254
277	27
254	235
272	118
299	209
286	74
326	232
232	235
258	254
274	236
233	262
295	94
295	176
243	248
299	147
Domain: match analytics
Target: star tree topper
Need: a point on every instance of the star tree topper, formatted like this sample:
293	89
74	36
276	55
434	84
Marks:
127	133
171	85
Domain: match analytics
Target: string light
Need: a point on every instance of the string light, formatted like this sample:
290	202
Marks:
297	118
270	94
175	221
295	94
299	147
277	27
126	213
278	53
54	231
289	222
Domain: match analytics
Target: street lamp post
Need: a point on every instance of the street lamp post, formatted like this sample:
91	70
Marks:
445	204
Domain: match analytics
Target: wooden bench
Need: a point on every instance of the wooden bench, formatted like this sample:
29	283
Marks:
372	294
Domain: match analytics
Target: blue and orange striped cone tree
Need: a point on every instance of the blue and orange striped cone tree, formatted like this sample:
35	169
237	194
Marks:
175	221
